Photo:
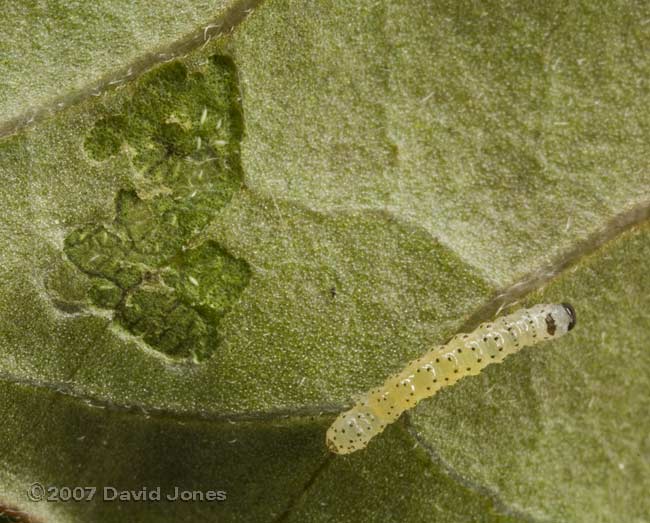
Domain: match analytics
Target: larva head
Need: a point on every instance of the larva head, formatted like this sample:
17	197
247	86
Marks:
560	319
352	430
572	315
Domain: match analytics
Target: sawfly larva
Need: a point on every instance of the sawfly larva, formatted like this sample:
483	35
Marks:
465	355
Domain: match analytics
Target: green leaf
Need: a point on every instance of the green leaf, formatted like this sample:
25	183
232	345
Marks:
200	268
56	53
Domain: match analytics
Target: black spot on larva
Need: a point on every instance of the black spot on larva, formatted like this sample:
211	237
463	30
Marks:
550	325
572	314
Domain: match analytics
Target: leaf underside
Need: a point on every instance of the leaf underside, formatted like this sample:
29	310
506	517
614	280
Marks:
207	261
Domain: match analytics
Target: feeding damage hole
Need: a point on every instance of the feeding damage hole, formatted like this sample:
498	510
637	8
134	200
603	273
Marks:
181	131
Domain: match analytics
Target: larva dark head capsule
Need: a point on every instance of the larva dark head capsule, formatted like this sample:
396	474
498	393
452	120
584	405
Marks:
572	315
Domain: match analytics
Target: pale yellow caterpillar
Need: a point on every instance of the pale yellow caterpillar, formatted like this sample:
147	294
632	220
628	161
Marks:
464	355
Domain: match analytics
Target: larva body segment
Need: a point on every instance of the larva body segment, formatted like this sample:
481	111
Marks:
464	355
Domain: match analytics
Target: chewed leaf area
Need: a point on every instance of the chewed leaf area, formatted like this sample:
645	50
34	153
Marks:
166	284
